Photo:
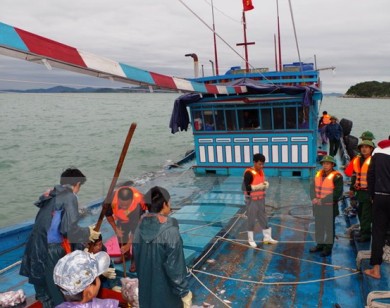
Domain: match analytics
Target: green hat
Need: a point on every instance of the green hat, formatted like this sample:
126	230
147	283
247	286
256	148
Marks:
329	159
366	142
367	135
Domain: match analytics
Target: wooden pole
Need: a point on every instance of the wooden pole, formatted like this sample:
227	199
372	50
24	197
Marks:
107	201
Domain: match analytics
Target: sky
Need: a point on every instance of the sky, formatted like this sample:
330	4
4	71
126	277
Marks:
351	35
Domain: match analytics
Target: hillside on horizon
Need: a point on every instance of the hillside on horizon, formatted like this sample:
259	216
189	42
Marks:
141	89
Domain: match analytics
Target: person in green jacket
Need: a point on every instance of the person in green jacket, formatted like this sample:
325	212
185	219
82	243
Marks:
326	190
159	256
359	188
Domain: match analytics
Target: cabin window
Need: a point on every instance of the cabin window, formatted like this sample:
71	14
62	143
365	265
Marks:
291	118
231	119
220	120
278	118
303	119
198	120
209	122
248	118
266	121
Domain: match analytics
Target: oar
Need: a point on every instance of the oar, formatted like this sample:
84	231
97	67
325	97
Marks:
107	201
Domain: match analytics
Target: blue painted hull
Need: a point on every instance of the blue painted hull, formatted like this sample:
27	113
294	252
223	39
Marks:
225	271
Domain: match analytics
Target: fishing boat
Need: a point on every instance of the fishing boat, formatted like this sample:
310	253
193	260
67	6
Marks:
232	116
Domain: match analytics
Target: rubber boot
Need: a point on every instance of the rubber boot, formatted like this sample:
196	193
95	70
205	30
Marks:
251	240
267	237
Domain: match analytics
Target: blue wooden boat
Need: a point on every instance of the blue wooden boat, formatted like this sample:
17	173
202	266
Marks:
232	116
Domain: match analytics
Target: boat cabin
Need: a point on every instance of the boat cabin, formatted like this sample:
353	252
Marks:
277	120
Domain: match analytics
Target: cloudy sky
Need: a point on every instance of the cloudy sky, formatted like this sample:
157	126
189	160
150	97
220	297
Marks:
351	35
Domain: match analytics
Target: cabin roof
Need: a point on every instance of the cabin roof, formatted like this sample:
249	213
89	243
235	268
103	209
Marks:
180	118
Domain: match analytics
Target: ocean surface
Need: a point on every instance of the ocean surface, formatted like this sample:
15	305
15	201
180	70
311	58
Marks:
43	134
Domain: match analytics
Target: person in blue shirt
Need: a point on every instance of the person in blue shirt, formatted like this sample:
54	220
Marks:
334	132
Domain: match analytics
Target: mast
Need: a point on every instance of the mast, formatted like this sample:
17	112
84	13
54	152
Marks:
276	54
279	49
246	43
215	42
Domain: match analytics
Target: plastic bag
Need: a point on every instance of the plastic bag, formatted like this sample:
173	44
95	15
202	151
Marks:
130	291
12	298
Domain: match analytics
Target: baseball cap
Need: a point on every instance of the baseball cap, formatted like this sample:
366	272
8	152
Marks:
77	270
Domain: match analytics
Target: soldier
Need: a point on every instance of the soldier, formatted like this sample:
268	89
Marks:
326	192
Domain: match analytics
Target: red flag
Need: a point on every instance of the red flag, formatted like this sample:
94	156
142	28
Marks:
247	5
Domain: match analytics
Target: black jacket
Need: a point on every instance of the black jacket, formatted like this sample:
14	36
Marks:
379	172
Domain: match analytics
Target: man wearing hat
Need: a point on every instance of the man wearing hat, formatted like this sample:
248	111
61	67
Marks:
325	194
367	135
334	132
359	188
379	189
77	275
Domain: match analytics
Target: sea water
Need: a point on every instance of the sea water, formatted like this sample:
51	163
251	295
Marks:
43	134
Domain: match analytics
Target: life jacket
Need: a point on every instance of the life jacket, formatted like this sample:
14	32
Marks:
326	119
258	178
324	186
122	213
348	171
361	172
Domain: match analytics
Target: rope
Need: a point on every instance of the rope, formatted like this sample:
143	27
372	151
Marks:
211	292
362	254
295	258
10	266
206	225
295	32
377	295
295	229
217	240
223	40
276	283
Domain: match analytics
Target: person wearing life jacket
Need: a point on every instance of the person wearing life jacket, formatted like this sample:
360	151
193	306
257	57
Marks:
326	191
254	186
127	208
366	135
324	120
359	188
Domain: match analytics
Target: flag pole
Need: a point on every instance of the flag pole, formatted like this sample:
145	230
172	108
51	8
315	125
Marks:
247	5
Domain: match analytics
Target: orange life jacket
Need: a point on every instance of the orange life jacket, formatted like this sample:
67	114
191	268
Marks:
326	119
258	178
361	172
122	213
324	186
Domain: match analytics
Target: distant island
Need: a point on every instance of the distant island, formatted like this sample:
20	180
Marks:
373	89
141	89
61	89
